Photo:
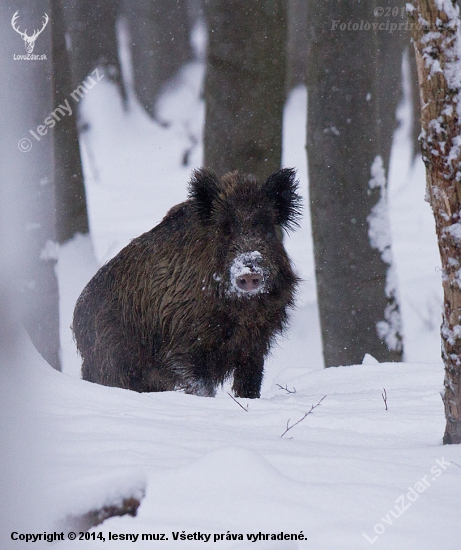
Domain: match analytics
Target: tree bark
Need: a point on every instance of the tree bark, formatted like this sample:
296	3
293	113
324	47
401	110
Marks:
93	39
416	110
28	173
245	86
354	83
296	43
71	211
437	41
160	45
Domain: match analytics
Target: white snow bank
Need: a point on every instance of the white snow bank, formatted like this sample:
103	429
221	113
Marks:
212	467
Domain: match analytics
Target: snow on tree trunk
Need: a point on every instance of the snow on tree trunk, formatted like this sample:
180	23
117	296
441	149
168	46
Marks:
437	41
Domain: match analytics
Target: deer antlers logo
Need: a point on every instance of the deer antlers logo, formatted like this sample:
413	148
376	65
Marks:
29	41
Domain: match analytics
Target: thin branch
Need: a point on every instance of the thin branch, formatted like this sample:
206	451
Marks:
301	419
286	388
239	404
384	396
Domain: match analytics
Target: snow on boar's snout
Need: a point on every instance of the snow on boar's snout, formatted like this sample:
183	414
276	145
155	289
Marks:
200	297
247	275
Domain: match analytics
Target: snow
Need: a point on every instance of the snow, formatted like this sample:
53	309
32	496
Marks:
50	251
243	264
208	466
449	42
379	232
455	231
344	477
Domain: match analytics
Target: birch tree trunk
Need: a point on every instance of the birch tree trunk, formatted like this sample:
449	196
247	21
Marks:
437	41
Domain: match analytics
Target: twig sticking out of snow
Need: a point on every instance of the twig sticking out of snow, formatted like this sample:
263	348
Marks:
286	388
301	419
239	404
384	396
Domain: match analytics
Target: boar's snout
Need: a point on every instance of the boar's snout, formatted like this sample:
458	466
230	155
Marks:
249	282
248	274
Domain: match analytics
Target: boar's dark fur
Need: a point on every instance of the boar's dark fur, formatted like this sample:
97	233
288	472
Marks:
200	297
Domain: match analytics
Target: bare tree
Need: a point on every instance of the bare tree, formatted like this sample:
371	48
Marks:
71	211
92	38
353	78
437	41
160	45
245	86
47	170
28	173
296	43
416	111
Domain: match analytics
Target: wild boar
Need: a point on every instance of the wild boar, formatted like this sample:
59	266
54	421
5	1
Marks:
200	297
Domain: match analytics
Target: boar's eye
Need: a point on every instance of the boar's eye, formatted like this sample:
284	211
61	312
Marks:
204	190
262	218
281	189
226	226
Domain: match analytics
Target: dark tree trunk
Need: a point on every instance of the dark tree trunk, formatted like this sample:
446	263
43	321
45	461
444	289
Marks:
71	211
354	83
92	32
438	58
28	170
296	43
160	45
245	86
416	109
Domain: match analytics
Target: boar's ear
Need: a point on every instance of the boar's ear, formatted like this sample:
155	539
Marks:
281	189
204	191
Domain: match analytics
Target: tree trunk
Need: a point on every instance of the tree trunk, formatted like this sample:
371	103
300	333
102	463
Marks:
436	34
296	43
245	86
28	170
93	39
415	107
71	211
160	45
354	83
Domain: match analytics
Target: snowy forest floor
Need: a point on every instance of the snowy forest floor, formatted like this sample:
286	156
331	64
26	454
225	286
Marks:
350	475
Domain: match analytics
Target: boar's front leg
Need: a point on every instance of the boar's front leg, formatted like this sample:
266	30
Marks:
202	388
248	376
186	374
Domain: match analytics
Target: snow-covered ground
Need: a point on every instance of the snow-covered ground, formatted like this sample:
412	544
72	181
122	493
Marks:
350	475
